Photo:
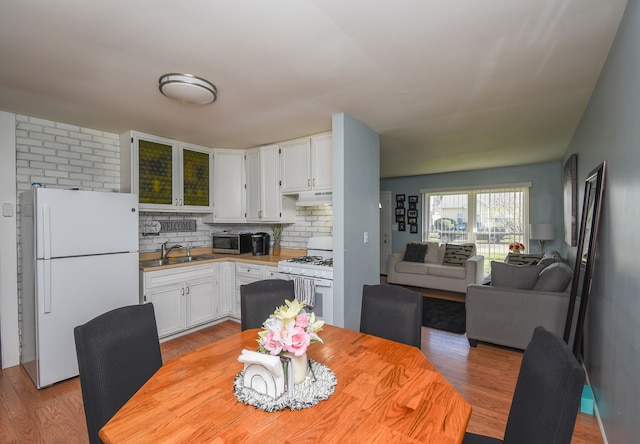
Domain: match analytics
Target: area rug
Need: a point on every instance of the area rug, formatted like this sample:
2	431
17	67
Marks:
444	314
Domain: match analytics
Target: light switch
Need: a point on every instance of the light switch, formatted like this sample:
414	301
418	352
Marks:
7	209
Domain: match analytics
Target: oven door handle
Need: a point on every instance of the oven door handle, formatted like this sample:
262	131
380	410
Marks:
323	283
319	282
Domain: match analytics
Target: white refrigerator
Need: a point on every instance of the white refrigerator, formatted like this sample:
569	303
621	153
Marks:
79	260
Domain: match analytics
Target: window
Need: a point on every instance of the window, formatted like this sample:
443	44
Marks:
490	217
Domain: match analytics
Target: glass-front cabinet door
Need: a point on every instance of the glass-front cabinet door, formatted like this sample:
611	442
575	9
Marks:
167	175
197	188
155	173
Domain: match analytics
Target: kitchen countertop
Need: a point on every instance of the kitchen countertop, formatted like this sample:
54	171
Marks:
219	257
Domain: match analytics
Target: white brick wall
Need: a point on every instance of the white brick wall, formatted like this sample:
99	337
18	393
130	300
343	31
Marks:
65	156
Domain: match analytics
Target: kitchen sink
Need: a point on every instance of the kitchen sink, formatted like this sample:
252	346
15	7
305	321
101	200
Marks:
175	260
183	259
156	263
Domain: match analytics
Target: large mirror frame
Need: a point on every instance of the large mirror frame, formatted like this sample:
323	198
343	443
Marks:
585	258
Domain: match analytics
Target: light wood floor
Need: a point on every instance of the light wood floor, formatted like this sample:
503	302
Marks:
485	376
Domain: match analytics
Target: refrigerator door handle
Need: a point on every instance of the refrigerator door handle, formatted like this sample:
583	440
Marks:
46	232
46	290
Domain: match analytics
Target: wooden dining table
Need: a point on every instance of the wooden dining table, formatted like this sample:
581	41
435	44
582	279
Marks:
386	392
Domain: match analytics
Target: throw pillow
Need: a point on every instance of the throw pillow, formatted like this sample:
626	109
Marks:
415	252
457	255
550	257
555	277
521	277
523	259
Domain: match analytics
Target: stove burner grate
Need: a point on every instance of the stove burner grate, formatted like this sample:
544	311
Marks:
314	260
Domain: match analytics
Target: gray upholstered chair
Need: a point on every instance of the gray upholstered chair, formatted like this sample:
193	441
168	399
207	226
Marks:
259	299
118	352
547	395
520	298
392	312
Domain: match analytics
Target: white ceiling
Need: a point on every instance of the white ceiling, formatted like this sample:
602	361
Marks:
449	85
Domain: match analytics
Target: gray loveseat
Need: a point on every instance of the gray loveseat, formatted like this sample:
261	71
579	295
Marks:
519	298
443	267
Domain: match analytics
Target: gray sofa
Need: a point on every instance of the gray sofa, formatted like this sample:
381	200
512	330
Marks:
519	298
451	270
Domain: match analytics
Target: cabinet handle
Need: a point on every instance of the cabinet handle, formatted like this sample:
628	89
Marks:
308	182
188	288
182	291
260	214
314	181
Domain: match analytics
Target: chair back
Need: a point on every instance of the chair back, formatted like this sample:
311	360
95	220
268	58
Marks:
547	395
118	352
259	299
392	312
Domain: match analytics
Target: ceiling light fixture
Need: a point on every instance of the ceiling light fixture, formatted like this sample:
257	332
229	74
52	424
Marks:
187	88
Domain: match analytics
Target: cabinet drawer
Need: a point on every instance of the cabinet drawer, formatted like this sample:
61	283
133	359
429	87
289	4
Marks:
248	270
270	272
163	277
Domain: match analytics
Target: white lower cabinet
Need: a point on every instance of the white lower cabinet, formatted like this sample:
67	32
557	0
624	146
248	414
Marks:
227	288
201	301
182	297
247	274
187	297
167	303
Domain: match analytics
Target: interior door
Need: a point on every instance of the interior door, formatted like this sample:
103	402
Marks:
385	229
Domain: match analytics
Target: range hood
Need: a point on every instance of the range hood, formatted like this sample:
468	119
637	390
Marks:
311	198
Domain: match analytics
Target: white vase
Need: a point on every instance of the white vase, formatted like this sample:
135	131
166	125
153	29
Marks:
300	367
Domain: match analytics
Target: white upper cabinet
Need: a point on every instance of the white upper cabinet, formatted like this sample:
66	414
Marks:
296	165
166	174
254	188
265	202
307	164
322	162
228	186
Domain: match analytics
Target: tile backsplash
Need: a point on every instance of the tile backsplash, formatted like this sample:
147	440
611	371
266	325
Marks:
310	221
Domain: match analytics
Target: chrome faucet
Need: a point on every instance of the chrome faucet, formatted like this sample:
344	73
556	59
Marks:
166	250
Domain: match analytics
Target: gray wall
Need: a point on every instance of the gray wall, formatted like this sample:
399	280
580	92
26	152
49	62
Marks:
610	130
356	180
545	194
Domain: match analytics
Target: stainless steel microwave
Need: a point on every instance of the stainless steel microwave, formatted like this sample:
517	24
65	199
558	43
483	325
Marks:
231	242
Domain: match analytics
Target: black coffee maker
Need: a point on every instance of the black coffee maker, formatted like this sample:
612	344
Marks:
260	244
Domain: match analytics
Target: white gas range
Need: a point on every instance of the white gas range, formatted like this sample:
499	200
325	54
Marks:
313	276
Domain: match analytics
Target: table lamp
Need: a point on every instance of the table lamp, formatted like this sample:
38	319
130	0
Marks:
542	233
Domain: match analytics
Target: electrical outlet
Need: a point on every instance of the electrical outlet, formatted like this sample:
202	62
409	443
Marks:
7	209
366	237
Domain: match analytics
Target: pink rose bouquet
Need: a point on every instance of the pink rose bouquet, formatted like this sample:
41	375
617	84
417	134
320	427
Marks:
289	329
516	247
